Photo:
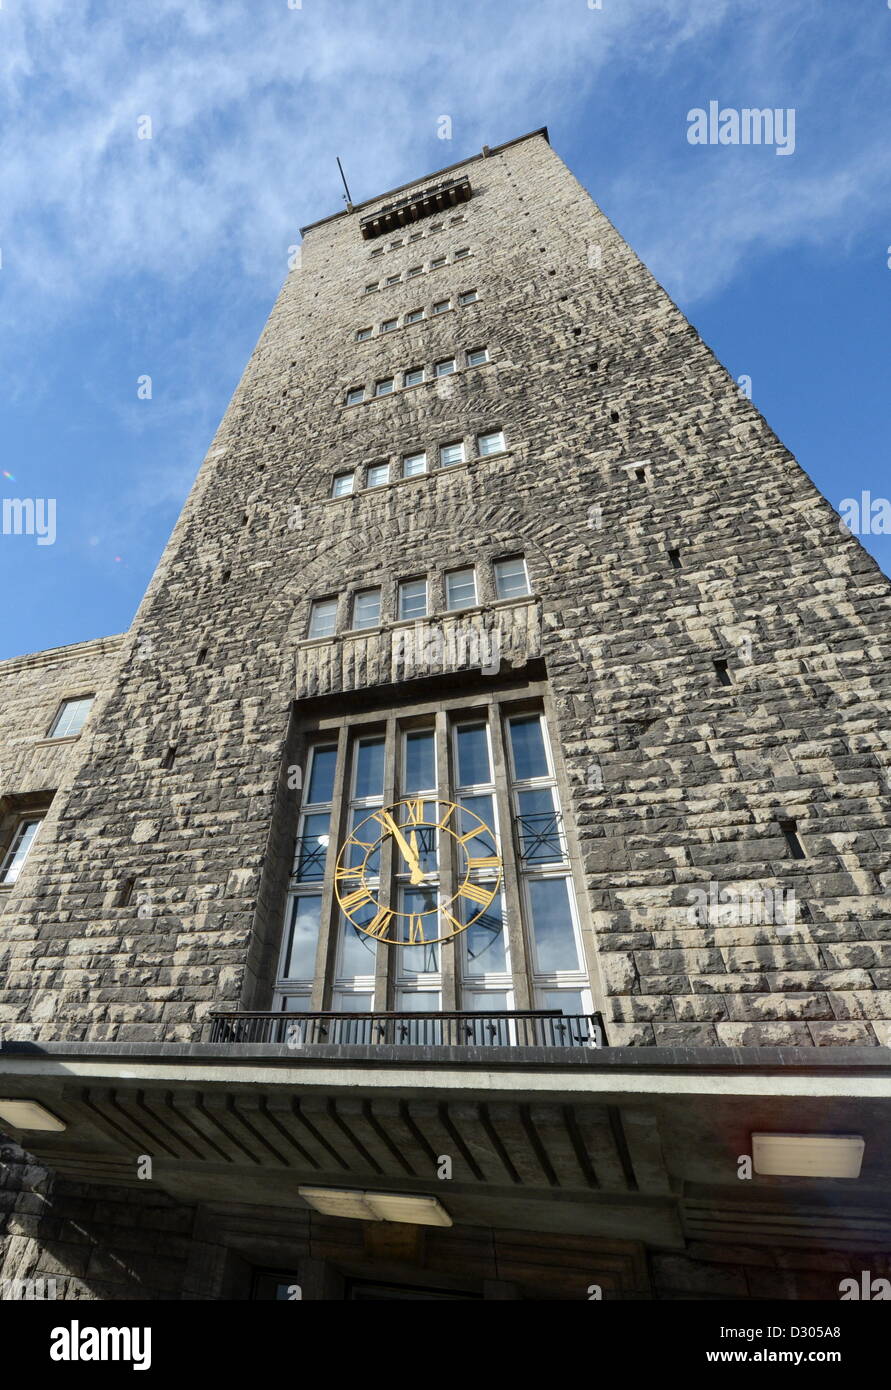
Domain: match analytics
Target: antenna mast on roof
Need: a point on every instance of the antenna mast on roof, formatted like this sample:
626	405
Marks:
348	200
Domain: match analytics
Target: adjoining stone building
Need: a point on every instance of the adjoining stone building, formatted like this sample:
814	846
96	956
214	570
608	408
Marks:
482	832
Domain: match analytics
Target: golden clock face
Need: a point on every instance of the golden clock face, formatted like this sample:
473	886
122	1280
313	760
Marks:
420	831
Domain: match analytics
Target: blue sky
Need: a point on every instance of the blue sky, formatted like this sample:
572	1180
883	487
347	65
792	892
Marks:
123	257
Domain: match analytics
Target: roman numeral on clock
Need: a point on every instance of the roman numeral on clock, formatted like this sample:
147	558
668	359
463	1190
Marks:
358	898
476	893
379	923
486	861
416	929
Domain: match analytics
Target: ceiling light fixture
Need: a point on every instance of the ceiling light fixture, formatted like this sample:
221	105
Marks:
376	1206
29	1114
808	1155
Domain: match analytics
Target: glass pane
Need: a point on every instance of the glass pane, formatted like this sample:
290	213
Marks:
491	443
552	930
370	768
461	589
19	850
527	743
378	475
451	453
483	843
384	388
474	768
323	618
343	485
484	941
304	934
424	1001
71	718
321	776
348	1002
422	959
367	608
445	368
510	578
420	762
312	847
568	1001
538	828
369	834
357	951
414	464
413	599
414	378
486	1001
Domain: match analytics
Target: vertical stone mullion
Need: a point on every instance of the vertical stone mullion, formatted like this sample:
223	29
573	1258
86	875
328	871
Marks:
385	960
448	951
516	936
326	951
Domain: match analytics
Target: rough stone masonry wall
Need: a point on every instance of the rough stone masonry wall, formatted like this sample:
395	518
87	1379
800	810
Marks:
35	771
677	781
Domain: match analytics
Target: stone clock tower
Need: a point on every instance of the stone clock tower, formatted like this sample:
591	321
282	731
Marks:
491	796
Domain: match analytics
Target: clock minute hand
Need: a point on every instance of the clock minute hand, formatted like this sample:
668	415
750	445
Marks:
410	855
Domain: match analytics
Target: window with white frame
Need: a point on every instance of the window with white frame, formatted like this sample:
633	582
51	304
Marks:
414	316
441	305
393	279
370	289
468	297
462	254
414	464
366	608
477	356
378	474
490	443
388	325
413	377
363	333
71	717
385	387
445	367
355	395
451	453
23	838
343	484
460	586
414	270
437	262
511	577
413	598
323	617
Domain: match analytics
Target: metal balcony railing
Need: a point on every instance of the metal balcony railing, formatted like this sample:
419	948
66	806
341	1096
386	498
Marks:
512	1028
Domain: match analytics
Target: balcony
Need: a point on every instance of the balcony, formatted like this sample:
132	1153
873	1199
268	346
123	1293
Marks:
508	1029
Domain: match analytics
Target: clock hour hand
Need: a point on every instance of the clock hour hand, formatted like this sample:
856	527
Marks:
410	855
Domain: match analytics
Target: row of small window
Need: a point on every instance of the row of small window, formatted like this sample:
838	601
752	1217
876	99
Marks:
441	306
413	597
415	236
416	376
414	270
415	464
